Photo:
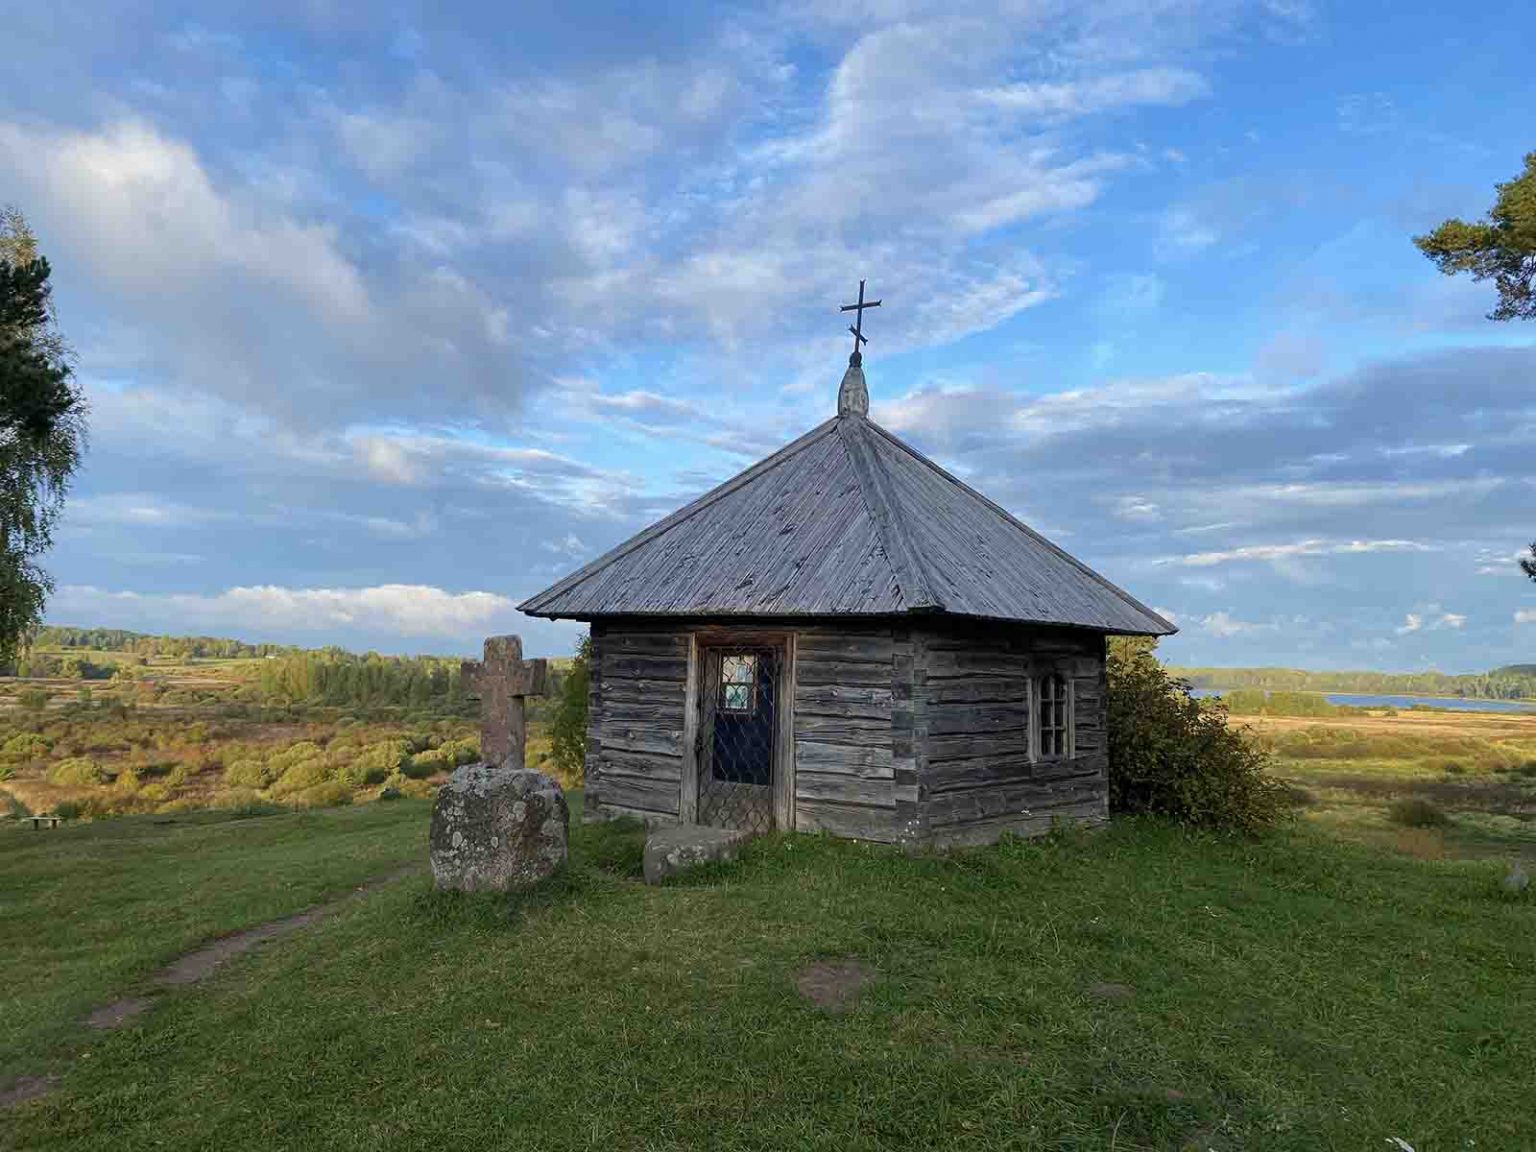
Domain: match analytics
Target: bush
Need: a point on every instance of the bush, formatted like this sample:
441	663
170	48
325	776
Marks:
427	763
26	746
247	773
568	725
1417	812
326	795
376	762
33	699
77	771
1174	756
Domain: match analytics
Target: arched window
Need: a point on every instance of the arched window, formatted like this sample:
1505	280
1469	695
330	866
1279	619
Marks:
1055	716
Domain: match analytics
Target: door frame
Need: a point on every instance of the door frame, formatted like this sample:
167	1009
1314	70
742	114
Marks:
783	762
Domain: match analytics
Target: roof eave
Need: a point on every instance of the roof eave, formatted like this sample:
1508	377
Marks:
929	611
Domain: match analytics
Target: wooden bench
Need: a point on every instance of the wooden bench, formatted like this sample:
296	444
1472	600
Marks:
39	821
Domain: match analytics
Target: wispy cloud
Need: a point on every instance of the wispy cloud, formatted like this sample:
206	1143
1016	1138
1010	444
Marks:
1431	620
1223	624
1274	552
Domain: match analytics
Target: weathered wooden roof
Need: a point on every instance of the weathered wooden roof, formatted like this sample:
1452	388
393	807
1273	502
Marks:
847	520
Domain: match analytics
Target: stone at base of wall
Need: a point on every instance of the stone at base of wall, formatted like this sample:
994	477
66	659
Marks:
497	829
669	851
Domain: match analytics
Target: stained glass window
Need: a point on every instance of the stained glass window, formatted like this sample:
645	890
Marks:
738	683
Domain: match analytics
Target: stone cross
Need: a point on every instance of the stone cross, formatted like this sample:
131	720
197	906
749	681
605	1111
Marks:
501	680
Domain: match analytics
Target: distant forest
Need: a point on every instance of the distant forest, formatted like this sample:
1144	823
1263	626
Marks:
1513	682
332	676
278	673
141	644
285	674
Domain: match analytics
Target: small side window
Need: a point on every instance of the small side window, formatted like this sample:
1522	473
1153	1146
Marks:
738	683
1054	715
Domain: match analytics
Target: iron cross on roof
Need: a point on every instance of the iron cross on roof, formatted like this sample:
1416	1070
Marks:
857	327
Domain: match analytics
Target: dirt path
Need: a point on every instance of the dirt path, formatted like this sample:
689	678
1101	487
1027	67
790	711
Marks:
192	968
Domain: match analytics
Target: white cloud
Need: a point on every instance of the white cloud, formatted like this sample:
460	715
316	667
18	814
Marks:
1137	508
1185	231
1493	562
569	547
1166	86
1223	624
1431	619
387	460
1349	494
643	404
383	145
133	509
1277	552
1525	615
229	287
405	609
140	209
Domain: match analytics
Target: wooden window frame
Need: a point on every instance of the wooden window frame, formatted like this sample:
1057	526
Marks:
1034	697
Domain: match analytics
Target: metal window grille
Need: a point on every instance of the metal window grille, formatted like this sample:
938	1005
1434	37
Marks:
736	734
1053	715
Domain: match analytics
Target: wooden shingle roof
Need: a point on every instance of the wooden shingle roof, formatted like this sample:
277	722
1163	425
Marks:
846	521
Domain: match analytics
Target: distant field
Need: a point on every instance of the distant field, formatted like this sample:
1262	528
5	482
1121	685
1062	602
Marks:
147	733
1477	768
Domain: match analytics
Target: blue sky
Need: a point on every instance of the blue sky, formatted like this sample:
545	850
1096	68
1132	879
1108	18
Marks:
389	317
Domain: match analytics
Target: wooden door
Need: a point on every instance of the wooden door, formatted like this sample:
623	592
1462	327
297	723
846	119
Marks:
737	753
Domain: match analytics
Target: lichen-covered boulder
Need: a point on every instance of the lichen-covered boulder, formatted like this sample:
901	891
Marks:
497	829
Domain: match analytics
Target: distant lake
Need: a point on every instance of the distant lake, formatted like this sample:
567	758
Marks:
1363	700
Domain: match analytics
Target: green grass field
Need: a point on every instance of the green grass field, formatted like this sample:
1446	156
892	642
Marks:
86	910
1296	993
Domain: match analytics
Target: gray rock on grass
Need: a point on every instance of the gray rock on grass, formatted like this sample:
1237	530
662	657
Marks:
669	851
497	829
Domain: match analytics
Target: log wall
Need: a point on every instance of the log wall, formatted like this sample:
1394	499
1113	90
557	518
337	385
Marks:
636	710
900	733
977	776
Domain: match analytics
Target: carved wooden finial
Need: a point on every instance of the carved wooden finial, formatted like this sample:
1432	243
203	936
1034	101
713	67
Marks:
853	396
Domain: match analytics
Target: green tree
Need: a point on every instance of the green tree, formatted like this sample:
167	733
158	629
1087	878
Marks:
1529	566
568	725
1501	247
42	428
